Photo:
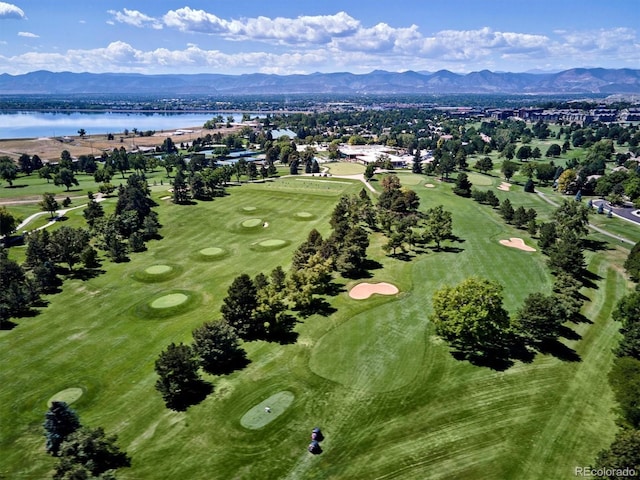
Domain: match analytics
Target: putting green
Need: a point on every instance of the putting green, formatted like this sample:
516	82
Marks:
158	269
212	251
480	180
304	215
68	396
273	242
170	300
257	417
252	223
249	209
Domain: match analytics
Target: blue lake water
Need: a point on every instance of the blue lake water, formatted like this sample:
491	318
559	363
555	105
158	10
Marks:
54	124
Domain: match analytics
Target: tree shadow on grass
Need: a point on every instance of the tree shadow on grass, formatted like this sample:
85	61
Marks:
239	362
195	395
589	279
595	245
568	333
402	256
498	358
317	306
449	249
580	318
7	325
559	350
86	273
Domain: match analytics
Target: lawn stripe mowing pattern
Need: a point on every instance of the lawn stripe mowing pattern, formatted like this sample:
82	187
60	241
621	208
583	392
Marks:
443	419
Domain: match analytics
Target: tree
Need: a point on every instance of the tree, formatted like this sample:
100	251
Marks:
369	171
554	150
524	152
67	244
45	172
506	210
508	169
89	450
548	236
539	319
624	379
180	189
82	132
566	255
8	223
463	185
438	225
60	422
177	368
93	211
631	264
25	163
567	182
238	307
484	165
470	315
627	312
49	203
624	453
8	170
520	217
218	347
66	177
572	217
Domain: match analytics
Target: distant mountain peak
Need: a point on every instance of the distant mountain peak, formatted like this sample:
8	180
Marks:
575	80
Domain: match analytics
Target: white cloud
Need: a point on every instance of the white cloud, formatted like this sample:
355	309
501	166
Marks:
28	35
135	18
303	30
8	10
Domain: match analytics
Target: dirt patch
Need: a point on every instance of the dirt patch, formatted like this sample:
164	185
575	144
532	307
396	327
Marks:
365	290
517	243
504	186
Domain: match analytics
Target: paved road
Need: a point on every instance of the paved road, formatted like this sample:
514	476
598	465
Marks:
598	229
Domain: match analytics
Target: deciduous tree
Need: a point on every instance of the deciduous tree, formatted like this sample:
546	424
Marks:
470	315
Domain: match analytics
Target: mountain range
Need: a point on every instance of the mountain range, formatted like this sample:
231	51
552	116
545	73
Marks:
378	82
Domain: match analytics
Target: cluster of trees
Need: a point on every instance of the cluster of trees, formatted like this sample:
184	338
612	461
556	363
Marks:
470	315
82	452
131	224
18	291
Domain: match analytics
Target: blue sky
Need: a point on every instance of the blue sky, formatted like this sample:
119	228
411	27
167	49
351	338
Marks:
285	37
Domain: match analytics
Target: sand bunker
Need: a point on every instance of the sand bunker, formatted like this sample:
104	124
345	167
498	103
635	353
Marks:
504	186
304	215
167	197
429	185
517	243
249	209
365	290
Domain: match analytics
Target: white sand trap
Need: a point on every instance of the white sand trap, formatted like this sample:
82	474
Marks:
166	197
504	186
517	243
429	185
265	224
365	290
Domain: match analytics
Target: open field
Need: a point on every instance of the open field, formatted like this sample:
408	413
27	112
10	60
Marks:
391	400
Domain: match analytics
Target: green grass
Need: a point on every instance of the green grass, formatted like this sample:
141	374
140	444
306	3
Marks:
391	400
344	168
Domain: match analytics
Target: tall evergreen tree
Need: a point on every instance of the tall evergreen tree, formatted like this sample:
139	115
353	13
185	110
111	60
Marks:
60	422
